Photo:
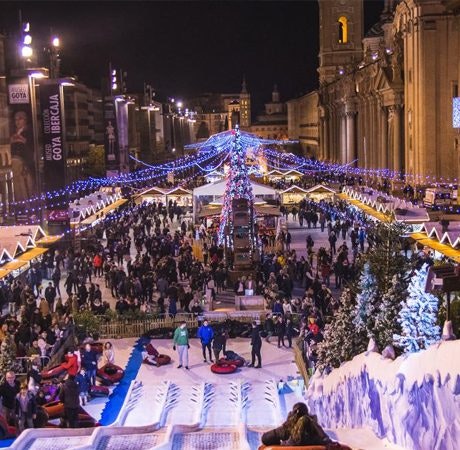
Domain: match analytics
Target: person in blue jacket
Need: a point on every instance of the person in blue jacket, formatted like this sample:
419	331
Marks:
206	335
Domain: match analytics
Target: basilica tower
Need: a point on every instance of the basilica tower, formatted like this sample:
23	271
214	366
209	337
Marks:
340	37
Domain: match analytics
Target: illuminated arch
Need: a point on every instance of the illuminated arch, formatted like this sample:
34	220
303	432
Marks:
343	29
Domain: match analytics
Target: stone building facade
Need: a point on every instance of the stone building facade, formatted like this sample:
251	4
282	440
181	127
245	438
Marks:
385	98
272	123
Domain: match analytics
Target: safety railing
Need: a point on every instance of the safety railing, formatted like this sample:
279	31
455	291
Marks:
23	364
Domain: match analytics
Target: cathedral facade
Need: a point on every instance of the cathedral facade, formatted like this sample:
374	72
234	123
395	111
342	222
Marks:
385	99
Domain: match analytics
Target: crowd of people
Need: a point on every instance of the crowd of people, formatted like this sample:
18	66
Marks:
145	260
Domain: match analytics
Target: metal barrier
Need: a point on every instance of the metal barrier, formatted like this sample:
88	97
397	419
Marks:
24	364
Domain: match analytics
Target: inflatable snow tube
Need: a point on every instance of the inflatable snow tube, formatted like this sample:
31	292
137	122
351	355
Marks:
6	430
151	350
54	409
54	372
99	391
110	374
163	360
238	362
86	421
222	369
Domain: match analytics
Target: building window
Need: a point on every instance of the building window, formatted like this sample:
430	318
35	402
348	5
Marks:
343	30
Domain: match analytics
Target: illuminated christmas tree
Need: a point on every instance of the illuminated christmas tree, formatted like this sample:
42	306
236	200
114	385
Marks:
238	185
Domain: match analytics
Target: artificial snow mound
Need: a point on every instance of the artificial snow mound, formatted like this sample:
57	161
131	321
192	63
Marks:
413	401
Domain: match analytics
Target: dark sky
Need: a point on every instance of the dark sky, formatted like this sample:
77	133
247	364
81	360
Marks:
185	48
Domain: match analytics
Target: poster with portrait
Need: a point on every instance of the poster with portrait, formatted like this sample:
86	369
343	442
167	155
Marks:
111	144
23	155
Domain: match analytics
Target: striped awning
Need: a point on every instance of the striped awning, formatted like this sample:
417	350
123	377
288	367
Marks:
445	249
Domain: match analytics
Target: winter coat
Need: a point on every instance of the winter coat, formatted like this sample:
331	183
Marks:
8	394
219	341
31	406
89	360
83	383
70	395
280	328
256	340
71	364
181	336
205	334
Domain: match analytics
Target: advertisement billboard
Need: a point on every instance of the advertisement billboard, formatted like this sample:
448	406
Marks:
54	157
53	140
23	152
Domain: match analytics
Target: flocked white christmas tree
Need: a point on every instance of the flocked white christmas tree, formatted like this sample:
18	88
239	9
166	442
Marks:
386	323
418	316
366	302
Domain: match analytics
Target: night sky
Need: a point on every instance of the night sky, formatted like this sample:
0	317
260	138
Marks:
185	48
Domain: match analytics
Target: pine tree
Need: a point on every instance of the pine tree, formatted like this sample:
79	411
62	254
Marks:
418	316
7	356
366	302
386	323
341	340
387	258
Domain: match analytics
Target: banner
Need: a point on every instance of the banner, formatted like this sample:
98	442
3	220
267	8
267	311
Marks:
23	153
53	145
112	154
54	157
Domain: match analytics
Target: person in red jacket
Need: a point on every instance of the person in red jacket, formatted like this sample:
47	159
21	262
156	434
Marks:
71	363
97	264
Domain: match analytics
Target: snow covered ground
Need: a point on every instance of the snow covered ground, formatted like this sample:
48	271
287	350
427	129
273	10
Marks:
264	407
413	401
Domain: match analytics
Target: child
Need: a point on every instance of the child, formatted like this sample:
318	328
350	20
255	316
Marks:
83	385
26	408
108	354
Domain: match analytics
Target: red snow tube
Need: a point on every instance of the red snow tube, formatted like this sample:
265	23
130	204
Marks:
163	360
6	431
110	374
86	421
221	368
239	362
54	409
54	372
99	391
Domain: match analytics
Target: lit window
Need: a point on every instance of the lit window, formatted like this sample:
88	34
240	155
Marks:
343	30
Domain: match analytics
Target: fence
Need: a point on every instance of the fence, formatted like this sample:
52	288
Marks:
126	328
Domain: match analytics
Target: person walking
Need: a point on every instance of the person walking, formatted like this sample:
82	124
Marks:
206	335
256	346
70	396
181	341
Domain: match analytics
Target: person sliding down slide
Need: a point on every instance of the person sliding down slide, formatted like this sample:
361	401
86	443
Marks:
300	429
